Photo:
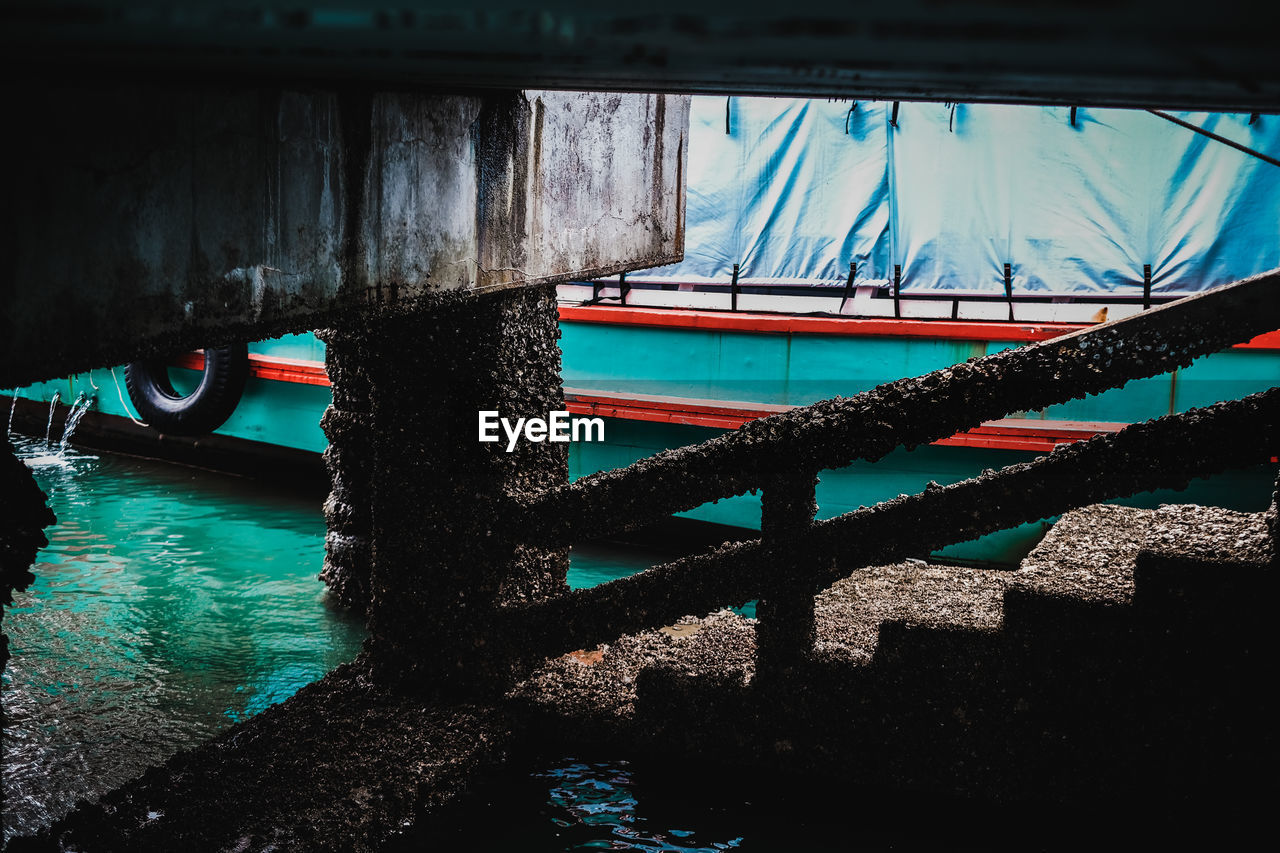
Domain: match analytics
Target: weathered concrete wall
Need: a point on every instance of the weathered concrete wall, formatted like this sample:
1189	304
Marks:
145	219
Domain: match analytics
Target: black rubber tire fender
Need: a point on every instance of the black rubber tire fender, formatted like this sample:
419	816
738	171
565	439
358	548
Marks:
226	369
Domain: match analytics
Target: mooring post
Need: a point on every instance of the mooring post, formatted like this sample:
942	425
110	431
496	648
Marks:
348	424
786	633
445	554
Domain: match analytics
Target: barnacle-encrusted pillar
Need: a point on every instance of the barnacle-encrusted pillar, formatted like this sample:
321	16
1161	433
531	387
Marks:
785	635
348	424
23	517
1273	525
444	553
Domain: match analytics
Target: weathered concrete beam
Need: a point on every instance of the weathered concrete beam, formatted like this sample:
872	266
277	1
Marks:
144	219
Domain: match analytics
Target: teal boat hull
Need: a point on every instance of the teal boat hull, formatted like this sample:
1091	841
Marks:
745	368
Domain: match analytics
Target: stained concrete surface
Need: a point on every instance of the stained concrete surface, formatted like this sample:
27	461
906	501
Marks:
148	218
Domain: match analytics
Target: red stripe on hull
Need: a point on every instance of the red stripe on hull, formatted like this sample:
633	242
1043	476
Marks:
294	370
791	324
1037	436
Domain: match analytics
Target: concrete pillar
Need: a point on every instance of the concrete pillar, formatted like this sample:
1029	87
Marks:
786	633
348	424
443	558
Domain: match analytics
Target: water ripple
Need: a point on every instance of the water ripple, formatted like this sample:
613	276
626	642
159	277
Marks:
169	604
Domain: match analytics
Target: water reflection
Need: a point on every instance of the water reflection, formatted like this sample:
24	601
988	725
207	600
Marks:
169	604
596	806
173	602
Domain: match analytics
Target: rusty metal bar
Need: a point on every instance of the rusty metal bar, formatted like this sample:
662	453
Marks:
908	412
786	633
1164	453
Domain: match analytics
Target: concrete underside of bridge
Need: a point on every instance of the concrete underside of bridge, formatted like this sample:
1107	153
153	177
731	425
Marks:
1135	53
146	219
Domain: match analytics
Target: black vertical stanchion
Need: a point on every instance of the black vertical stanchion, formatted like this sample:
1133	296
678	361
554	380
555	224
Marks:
733	290
897	290
1008	288
786	630
848	285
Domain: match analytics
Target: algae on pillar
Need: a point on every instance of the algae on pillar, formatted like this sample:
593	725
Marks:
348	424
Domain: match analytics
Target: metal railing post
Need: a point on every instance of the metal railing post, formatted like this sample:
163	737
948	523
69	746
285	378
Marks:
785	634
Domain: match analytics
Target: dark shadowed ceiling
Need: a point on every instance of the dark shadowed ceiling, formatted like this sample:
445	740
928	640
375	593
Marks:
1087	52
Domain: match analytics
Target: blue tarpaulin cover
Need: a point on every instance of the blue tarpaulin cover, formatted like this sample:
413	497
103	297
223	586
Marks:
798	189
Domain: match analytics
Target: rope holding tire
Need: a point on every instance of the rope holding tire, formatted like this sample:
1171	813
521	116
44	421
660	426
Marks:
226	369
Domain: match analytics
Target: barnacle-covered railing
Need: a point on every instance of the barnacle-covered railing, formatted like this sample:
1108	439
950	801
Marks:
782	455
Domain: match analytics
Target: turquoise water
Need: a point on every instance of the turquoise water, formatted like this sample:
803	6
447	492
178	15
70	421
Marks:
594	563
170	603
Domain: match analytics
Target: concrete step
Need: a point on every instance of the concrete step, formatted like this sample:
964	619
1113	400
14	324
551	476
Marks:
1116	662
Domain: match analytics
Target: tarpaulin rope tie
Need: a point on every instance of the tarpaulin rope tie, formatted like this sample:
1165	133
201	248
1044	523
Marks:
848	285
1230	142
